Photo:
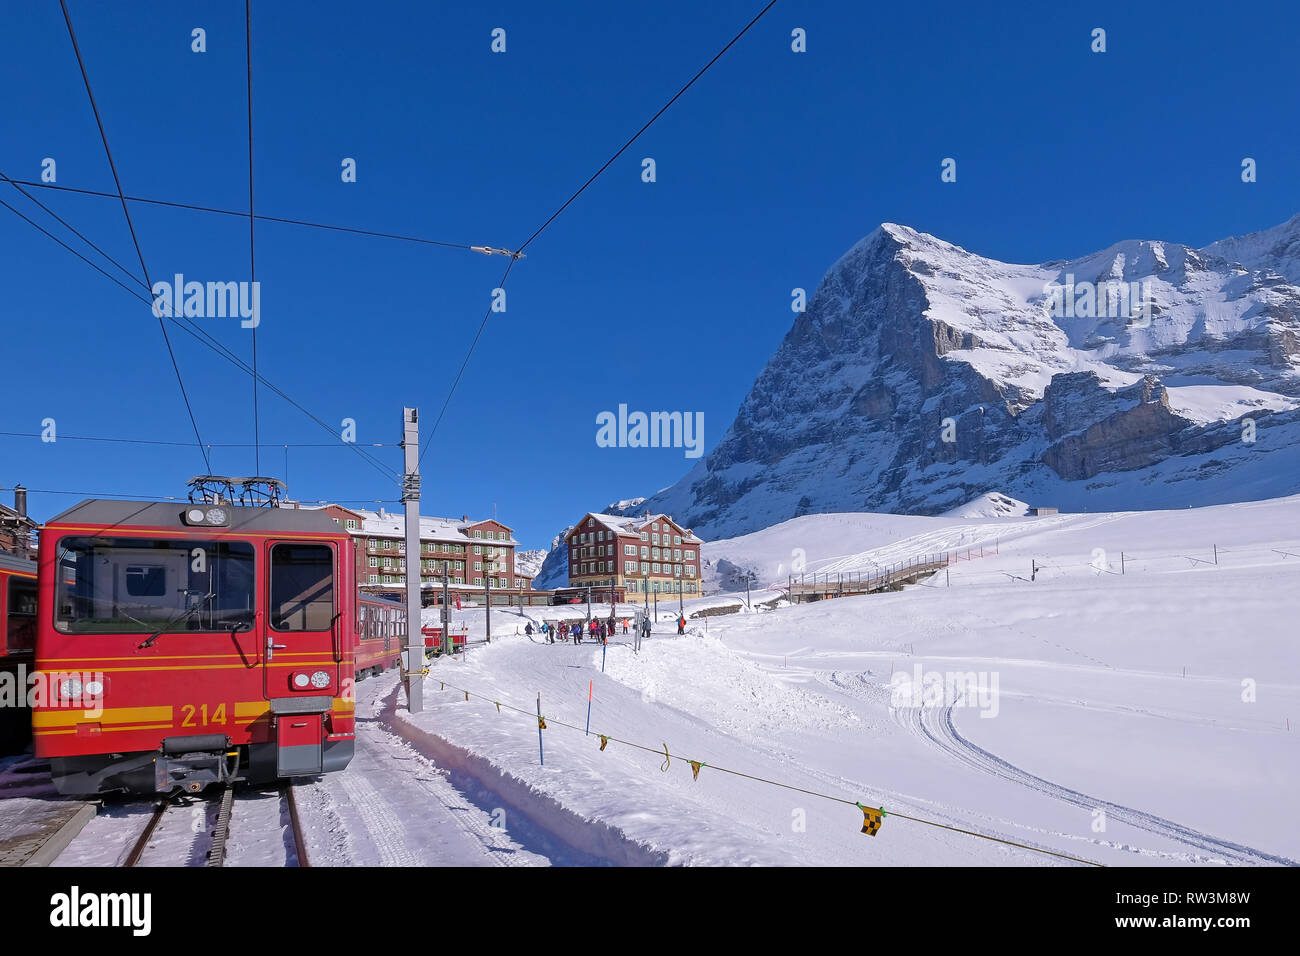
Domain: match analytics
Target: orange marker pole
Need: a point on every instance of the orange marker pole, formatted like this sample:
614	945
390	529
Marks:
589	683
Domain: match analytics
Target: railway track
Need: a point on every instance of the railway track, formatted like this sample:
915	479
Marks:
220	831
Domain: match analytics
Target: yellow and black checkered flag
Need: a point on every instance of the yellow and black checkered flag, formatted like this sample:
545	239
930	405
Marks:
541	722
871	819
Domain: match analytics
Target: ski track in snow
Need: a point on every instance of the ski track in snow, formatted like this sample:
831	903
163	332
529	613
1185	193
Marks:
935	724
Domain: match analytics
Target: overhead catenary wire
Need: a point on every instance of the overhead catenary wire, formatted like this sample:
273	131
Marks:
664	752
650	122
194	330
427	441
72	229
261	217
190	444
85	77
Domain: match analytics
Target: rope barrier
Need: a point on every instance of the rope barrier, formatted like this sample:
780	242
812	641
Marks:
873	816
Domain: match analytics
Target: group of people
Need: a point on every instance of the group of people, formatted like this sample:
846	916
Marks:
597	629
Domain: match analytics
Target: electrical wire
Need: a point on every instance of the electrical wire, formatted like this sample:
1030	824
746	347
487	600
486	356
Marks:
72	34
260	216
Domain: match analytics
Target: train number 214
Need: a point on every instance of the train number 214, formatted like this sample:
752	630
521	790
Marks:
218	715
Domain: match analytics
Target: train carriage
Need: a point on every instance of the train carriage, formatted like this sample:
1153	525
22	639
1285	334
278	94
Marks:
17	644
380	634
185	645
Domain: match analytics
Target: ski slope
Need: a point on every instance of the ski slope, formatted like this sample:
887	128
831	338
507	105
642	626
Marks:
1125	718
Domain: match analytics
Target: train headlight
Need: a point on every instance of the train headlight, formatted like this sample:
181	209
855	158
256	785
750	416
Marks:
320	679
301	681
207	517
94	688
70	688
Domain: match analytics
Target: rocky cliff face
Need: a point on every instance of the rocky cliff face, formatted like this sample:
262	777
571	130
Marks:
922	376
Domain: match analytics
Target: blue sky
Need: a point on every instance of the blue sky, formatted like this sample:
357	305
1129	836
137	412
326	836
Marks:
663	296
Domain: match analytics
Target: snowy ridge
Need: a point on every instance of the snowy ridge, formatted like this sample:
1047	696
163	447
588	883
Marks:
923	375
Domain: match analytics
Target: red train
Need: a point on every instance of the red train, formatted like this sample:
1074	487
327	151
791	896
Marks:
186	645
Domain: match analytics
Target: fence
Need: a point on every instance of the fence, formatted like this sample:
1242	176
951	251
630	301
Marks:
849	583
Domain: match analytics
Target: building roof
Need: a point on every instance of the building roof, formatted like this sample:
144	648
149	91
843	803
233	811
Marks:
431	528
631	524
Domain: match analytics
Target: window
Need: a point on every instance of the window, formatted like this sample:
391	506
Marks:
20	629
654	569
654	553
645	552
478	533
630	567
352	524
654	538
374	561
478	549
645	536
302	587
134	585
374	579
690	571
478	582
478	565
655	526
689	555
677	554
677	539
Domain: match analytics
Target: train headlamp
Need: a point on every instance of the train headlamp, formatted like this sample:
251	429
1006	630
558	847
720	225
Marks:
207	517
320	679
301	681
70	688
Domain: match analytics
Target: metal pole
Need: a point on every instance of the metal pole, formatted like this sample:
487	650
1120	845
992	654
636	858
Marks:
656	607
541	752
487	597
589	686
411	500
1121	562
681	608
446	608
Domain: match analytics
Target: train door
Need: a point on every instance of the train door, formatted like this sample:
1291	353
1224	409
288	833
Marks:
303	649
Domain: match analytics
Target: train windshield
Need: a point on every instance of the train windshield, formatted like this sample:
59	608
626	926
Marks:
133	585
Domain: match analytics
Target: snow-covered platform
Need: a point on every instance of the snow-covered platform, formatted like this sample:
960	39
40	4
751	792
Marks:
33	832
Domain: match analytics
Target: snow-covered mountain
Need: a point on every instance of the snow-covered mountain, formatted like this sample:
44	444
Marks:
922	376
529	562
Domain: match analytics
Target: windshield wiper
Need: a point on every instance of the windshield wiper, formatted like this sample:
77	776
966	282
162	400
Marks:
184	615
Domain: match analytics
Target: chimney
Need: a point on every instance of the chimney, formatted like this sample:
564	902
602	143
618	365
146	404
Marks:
464	517
20	500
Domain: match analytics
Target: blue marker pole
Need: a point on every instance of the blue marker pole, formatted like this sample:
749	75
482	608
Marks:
603	644
589	683
540	752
